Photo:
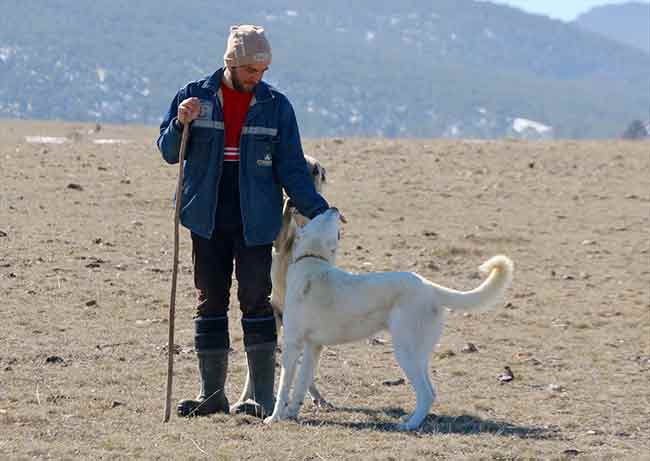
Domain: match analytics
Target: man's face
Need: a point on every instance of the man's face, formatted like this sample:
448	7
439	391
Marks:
246	78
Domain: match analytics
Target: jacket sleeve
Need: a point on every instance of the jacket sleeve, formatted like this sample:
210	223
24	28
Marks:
169	140
291	167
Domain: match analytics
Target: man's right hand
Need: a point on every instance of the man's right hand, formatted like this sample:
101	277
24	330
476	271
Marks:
189	110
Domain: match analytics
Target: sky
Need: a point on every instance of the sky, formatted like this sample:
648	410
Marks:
566	10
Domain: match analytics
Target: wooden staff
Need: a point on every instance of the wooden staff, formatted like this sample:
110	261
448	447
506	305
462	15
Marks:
172	301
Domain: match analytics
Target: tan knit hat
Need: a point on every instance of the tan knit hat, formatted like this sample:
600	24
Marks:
247	45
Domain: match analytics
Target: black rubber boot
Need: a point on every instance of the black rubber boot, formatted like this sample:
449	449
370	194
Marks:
212	345
213	368
261	369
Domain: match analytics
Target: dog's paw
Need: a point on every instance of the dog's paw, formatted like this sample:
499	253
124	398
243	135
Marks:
405	427
323	404
408	425
271	419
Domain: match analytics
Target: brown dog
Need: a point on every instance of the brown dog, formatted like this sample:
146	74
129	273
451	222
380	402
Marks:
281	252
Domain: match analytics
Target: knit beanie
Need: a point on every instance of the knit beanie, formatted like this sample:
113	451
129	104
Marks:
247	45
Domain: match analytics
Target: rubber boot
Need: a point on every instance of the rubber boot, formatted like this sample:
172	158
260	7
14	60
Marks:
212	344
213	368
261	369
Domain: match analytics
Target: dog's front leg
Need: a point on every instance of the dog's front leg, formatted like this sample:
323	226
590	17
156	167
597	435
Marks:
305	378
290	354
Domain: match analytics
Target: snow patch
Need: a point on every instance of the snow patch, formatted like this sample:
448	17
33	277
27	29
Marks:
355	118
101	74
522	124
45	140
110	141
6	53
530	129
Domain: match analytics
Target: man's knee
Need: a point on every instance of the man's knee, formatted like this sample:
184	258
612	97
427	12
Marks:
212	303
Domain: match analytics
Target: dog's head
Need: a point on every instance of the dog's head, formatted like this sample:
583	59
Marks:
317	172
319	177
319	237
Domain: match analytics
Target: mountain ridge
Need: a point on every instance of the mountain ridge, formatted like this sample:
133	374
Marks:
452	69
627	23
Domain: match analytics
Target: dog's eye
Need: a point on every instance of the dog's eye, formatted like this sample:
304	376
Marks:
315	171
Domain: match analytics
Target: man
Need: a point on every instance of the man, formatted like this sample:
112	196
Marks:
244	148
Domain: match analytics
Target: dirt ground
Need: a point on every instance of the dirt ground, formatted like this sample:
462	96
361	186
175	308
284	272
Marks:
86	234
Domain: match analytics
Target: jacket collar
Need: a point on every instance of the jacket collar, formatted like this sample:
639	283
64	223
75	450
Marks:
214	81
262	90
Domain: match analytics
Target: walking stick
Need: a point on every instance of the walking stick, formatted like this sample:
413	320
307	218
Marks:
172	301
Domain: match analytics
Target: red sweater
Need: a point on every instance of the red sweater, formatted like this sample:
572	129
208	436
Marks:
235	108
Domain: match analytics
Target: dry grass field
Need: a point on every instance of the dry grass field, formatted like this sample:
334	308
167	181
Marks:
86	233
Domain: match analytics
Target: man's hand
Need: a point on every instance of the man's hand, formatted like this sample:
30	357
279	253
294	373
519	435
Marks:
189	110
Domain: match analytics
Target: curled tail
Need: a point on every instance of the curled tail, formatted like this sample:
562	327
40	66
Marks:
499	270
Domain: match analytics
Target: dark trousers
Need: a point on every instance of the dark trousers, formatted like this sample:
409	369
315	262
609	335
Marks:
214	260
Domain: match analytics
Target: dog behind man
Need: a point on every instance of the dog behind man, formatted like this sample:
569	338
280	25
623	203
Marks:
281	253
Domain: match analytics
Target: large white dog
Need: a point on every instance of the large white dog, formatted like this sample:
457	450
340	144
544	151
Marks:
281	253
325	305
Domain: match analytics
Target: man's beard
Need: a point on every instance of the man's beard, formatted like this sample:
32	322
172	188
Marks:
237	85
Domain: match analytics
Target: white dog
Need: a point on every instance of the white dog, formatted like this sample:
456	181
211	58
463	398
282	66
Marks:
325	305
281	252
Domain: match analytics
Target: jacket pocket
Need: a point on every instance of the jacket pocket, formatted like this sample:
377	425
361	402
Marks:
260	154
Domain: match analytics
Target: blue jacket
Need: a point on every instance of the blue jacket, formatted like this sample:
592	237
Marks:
271	158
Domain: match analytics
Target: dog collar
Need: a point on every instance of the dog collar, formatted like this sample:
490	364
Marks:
309	256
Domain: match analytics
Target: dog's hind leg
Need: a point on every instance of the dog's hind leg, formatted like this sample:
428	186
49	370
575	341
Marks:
424	394
310	356
413	346
290	354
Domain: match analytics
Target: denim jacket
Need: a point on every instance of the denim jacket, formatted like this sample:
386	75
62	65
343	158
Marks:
271	158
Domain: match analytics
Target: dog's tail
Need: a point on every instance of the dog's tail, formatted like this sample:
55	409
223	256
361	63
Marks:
499	270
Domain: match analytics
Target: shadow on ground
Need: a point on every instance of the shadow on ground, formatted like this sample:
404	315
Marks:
436	424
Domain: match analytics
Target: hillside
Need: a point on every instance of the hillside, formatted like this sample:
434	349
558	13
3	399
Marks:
453	68
628	23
